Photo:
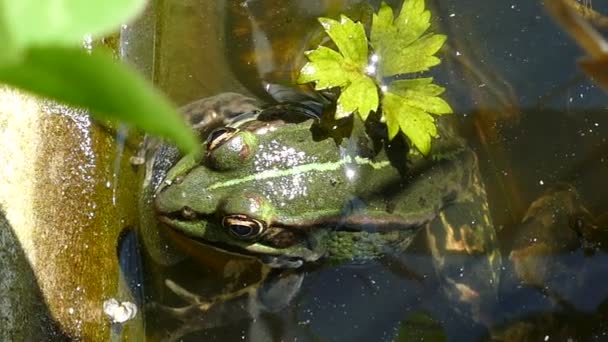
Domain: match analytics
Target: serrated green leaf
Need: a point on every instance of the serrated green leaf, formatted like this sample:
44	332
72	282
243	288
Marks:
412	21
382	24
424	85
344	69
421	95
324	68
399	43
416	57
402	47
96	81
418	125
349	37
361	95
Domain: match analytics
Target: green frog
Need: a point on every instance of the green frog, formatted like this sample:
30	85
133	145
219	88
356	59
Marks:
277	186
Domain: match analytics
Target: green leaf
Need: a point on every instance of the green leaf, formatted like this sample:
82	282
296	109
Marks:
421	84
411	23
9	50
406	106
414	58
349	37
97	82
382	26
402	47
361	95
399	42
421	95
418	125
344	69
60	22
413	20
325	67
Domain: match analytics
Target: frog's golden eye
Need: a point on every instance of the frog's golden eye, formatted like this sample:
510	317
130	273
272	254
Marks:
243	227
219	136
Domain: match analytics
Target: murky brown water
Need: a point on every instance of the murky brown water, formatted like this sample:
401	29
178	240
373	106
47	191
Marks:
535	121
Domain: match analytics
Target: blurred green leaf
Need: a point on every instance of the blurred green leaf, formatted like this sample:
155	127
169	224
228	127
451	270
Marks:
26	23
95	81
9	51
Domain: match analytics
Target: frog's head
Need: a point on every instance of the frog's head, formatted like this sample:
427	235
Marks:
262	189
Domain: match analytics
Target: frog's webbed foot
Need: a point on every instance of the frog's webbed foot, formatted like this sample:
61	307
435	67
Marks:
271	293
201	313
198	315
195	300
198	305
211	112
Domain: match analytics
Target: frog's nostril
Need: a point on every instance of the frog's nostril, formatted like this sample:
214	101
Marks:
188	213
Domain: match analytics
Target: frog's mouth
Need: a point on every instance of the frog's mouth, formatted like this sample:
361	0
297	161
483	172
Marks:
292	256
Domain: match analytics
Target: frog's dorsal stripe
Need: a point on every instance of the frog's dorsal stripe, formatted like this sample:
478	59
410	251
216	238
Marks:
317	167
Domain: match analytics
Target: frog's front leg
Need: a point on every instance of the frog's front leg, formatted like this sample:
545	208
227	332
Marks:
462	241
198	305
201	313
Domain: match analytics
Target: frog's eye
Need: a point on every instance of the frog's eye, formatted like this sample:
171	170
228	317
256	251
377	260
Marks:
218	136
230	149
243	227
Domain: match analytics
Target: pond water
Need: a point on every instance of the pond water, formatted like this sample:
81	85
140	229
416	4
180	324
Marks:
537	124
